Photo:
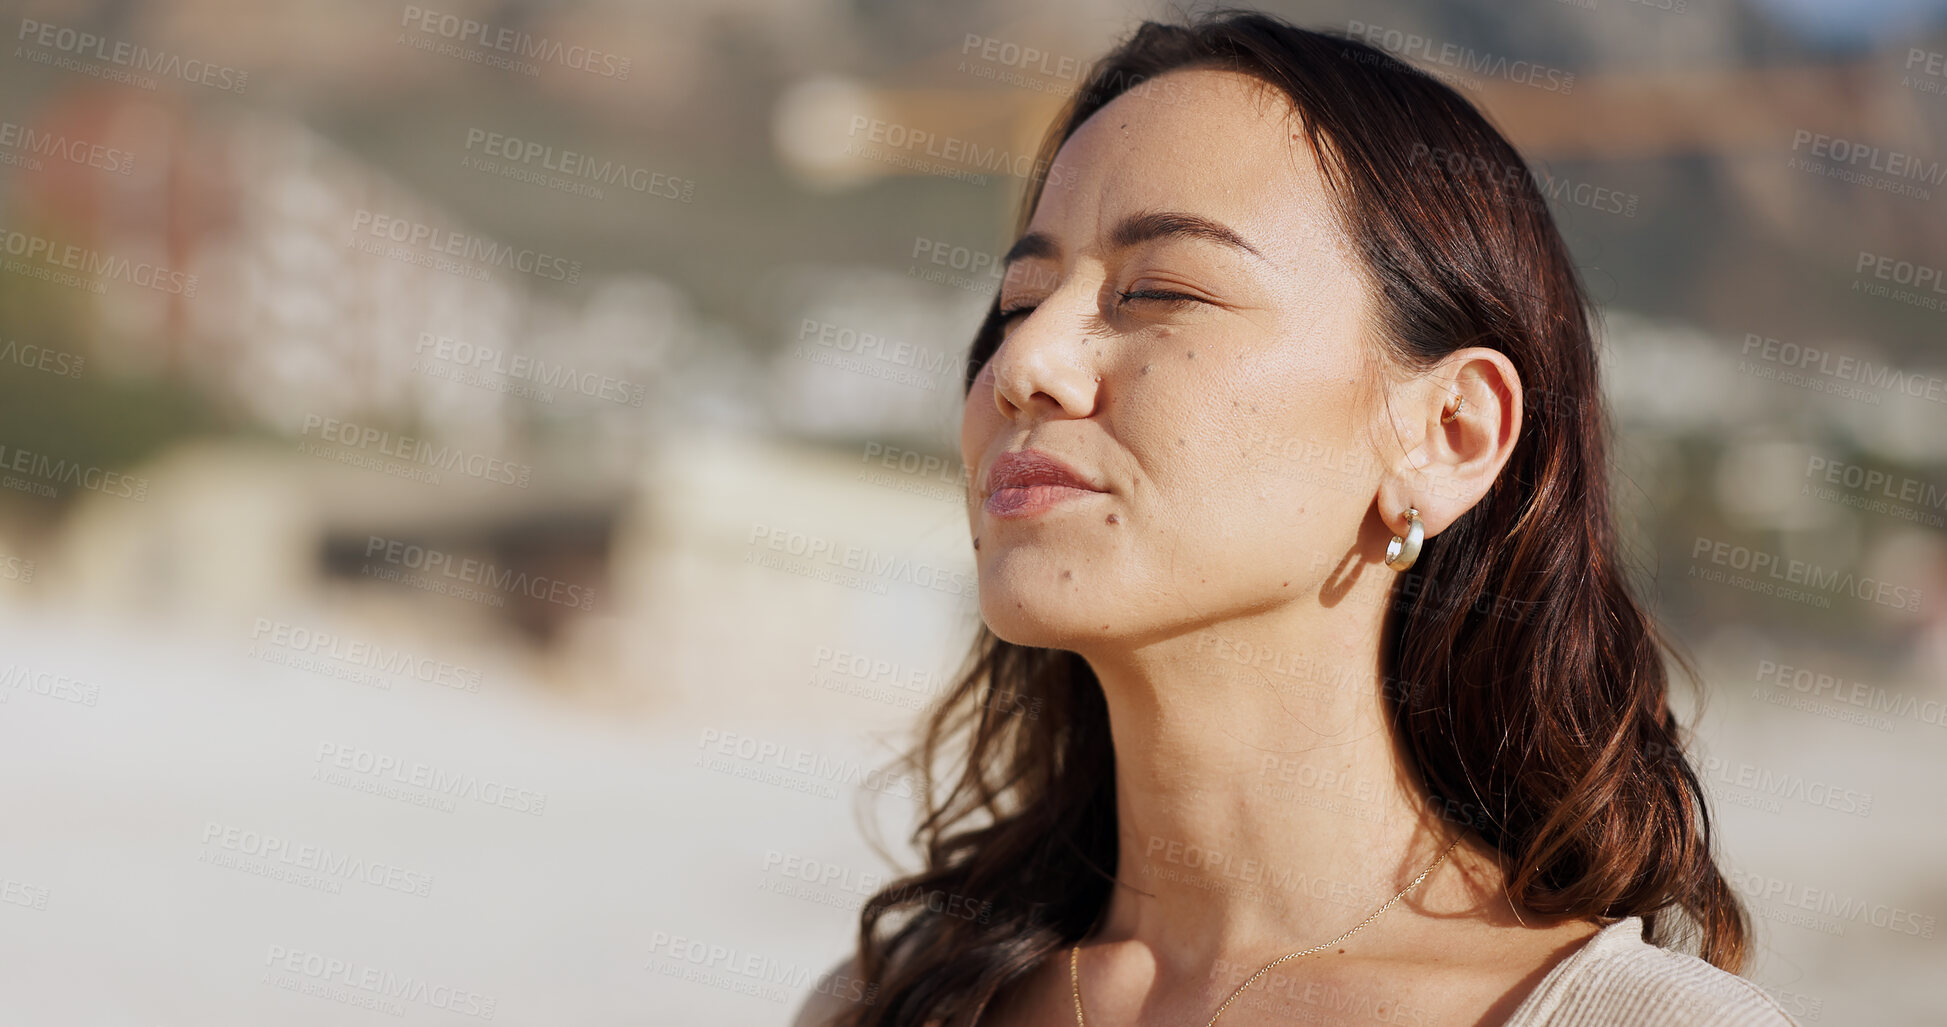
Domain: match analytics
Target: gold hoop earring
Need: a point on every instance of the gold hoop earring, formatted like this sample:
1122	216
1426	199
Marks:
1401	552
1458	402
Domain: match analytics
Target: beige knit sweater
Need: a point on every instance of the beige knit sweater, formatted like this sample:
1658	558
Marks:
1616	979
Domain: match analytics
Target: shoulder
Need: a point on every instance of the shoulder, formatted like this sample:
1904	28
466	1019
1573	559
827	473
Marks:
1617	979
833	993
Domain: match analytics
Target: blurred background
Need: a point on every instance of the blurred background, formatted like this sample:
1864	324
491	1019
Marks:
482	505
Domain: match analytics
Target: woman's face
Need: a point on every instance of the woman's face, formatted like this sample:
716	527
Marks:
1218	393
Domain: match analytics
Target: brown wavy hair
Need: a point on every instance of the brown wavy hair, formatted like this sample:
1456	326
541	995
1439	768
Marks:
1525	683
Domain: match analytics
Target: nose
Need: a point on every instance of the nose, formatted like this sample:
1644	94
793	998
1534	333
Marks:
1045	366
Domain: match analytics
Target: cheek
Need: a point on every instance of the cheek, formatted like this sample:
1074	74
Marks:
977	426
1247	455
980	425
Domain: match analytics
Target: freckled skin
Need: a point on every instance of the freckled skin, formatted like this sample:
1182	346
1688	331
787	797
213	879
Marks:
1078	378
1227	524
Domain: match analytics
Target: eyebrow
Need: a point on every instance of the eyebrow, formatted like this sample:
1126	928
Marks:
1135	229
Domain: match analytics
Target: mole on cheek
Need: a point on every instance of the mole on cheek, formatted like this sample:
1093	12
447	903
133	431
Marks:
1113	519
1145	368
1192	354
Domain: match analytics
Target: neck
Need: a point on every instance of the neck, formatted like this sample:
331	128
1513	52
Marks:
1261	804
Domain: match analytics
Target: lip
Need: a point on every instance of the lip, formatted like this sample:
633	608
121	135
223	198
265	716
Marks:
1026	482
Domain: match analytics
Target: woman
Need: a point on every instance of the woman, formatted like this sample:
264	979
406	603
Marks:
1310	688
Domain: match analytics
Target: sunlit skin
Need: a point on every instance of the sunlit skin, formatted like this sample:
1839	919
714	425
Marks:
1257	454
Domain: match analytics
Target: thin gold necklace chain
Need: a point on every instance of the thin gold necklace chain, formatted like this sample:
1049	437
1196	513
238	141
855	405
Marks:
1074	953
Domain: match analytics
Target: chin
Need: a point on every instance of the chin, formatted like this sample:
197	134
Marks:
1042	615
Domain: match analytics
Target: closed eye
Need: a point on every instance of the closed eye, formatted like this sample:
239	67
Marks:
1159	295
1163	295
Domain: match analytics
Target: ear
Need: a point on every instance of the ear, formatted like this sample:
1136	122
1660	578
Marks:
1442	470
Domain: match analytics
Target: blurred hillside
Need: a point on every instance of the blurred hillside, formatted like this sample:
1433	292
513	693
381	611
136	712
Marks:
565	397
